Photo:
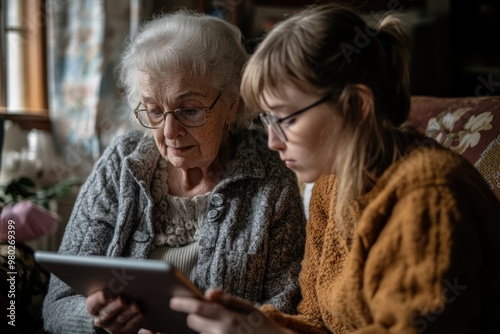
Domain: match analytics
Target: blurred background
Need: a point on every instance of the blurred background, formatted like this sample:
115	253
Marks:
60	107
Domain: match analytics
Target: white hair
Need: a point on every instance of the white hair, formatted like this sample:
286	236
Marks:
208	47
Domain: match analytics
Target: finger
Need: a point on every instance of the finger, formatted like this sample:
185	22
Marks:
187	304
127	316
233	303
228	324
96	301
132	325
203	308
145	331
106	316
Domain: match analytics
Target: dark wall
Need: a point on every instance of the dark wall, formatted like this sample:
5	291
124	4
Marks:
475	45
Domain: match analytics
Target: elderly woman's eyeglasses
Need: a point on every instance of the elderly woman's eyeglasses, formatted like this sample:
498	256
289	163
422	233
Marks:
274	122
188	117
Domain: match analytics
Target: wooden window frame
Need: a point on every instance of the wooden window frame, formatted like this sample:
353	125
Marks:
29	37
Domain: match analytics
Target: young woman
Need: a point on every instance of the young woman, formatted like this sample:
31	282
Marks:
403	235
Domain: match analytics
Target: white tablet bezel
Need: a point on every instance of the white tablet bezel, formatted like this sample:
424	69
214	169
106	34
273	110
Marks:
150	283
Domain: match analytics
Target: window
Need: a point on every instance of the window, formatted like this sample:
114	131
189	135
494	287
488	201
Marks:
23	84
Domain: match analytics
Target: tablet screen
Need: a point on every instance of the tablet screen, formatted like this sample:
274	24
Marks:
149	283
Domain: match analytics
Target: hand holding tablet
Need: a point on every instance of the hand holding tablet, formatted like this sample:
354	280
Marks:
148	283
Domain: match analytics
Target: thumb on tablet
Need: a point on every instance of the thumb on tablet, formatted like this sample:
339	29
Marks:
233	303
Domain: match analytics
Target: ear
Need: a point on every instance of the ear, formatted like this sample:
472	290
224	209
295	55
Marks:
364	99
356	103
232	112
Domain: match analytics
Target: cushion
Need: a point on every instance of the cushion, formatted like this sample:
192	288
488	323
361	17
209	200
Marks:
469	126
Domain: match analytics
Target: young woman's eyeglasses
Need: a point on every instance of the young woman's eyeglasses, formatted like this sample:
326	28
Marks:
274	122
188	117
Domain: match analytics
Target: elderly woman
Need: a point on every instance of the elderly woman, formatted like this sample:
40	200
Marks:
195	187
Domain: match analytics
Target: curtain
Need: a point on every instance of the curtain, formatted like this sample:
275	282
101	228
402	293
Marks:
85	39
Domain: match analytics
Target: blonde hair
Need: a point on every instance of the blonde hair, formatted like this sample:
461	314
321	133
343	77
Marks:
331	49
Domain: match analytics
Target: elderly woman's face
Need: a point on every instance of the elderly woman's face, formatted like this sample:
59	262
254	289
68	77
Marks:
187	147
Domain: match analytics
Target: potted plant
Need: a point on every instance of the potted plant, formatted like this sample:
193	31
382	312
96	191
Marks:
25	209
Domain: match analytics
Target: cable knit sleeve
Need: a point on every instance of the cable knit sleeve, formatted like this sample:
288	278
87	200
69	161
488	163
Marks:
88	232
423	267
286	244
423	256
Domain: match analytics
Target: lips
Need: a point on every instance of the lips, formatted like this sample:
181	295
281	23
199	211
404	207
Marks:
179	150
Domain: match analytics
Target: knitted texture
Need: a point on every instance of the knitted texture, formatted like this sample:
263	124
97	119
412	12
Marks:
424	254
250	244
176	219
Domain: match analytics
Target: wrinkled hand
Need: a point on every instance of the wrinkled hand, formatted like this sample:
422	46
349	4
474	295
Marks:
220	313
114	314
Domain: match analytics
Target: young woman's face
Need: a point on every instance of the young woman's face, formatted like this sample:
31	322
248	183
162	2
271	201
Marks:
186	147
311	136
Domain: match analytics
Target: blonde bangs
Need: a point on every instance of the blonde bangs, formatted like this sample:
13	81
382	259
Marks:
273	64
251	83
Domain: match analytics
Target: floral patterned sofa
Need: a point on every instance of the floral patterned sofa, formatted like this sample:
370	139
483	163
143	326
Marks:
468	125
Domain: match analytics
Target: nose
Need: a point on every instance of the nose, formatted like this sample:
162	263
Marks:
172	128
273	141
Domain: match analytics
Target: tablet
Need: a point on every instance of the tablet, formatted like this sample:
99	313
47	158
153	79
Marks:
149	283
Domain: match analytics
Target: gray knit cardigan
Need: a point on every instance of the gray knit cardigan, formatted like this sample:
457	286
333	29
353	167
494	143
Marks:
250	245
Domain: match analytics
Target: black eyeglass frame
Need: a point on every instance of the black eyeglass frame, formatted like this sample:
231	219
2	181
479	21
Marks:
165	112
270	119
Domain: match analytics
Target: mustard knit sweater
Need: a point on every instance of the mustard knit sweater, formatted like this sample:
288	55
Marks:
423	255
